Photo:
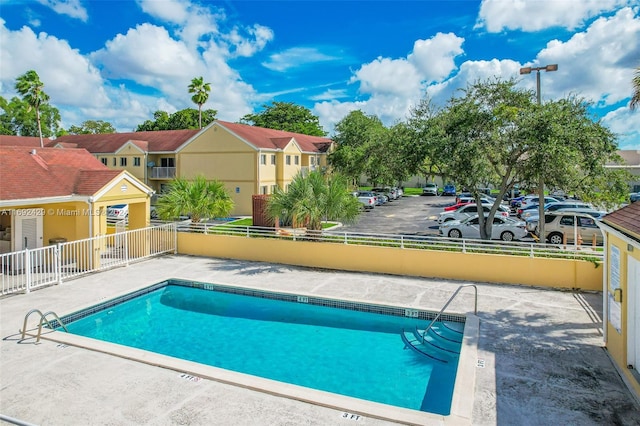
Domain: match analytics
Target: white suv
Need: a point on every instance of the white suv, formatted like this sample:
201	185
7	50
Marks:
430	189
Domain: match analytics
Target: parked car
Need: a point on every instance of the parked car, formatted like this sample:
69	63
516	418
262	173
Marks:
470	210
634	196
532	222
387	191
561	226
468	195
449	189
367	198
528	201
118	211
381	198
430	189
551	207
504	228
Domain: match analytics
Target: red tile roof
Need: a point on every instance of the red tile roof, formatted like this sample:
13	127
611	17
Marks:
10	140
264	138
626	220
158	141
50	172
171	140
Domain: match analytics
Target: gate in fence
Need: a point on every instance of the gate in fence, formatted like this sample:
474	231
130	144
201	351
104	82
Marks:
25	270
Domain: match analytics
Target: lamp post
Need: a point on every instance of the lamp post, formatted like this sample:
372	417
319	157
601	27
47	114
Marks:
527	70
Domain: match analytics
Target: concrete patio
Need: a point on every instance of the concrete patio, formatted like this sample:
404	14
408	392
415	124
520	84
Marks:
540	354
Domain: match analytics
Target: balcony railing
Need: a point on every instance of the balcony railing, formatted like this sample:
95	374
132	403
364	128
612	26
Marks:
163	173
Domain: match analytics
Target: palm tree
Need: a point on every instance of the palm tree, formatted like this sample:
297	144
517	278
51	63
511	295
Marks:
30	87
635	99
313	198
199	197
201	90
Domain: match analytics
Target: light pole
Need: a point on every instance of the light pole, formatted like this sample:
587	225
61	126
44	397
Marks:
527	70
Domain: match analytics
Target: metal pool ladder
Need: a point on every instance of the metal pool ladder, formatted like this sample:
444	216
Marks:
43	319
437	317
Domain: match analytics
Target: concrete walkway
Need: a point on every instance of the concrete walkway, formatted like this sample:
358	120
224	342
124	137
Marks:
540	352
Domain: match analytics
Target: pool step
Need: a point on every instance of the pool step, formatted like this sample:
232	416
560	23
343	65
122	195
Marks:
426	348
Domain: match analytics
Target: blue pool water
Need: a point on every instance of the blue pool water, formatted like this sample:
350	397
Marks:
343	351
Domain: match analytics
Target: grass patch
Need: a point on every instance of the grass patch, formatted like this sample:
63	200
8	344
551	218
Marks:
247	221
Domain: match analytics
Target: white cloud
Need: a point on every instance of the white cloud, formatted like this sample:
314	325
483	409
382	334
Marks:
597	63
174	11
72	8
388	76
330	94
434	58
498	15
626	125
296	57
67	75
148	55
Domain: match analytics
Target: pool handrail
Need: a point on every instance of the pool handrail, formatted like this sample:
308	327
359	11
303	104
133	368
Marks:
43	318
455	293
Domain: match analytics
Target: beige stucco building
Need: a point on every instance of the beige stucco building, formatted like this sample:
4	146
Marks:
50	195
249	160
621	292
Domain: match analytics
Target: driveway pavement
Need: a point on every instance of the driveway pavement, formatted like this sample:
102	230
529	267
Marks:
540	356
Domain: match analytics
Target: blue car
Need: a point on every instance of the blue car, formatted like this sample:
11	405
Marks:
449	189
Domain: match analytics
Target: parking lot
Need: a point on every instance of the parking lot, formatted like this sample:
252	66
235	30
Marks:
413	215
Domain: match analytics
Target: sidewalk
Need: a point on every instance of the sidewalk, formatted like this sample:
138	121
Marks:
540	353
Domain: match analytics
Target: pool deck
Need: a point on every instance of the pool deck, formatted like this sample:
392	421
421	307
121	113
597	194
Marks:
540	354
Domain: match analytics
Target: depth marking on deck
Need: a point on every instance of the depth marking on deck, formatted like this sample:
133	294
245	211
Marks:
351	416
480	363
190	377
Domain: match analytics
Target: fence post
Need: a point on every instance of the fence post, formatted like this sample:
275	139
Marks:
531	250
57	252
27	269
126	246
464	246
401	241
346	240
174	229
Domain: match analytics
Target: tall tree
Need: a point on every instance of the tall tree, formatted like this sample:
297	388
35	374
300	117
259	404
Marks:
635	98
286	116
31	89
357	137
92	127
497	134
18	118
312	198
199	198
179	120
200	91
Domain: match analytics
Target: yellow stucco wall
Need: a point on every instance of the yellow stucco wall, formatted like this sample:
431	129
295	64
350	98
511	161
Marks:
617	341
557	273
129	152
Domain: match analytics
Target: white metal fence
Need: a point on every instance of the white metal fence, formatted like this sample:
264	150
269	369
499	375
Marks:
511	248
26	270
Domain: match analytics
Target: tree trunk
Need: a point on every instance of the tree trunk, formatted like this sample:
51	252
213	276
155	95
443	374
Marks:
39	127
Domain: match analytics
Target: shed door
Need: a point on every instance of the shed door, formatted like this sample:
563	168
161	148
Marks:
633	309
28	229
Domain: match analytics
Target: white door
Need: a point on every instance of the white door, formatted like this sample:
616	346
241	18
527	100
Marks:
633	309
27	225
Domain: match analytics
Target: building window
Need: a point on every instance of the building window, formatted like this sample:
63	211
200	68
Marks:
273	188
167	162
296	160
273	159
104	161
263	158
312	161
136	161
123	161
263	190
288	160
114	161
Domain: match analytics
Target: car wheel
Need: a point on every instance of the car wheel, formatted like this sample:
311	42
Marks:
555	238
455	233
507	236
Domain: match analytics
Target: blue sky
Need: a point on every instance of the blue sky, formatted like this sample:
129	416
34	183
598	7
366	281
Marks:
120	61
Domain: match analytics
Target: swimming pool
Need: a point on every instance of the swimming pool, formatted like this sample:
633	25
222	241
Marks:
342	347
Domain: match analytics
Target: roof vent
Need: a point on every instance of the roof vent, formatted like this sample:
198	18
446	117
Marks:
33	152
